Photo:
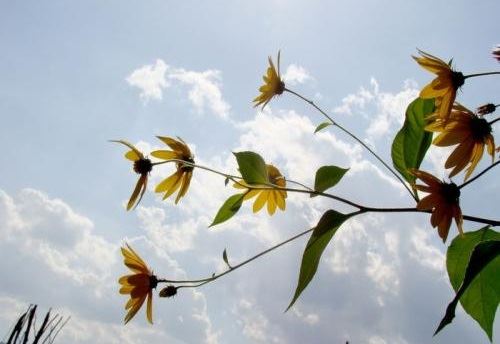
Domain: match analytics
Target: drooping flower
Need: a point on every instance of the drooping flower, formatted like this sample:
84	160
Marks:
444	87
138	285
470	132
443	200
496	53
273	84
274	198
142	166
182	177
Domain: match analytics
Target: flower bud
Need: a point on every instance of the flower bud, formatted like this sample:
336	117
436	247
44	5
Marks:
168	291
486	109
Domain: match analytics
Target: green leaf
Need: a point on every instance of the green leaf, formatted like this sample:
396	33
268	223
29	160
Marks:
320	237
226	260
467	258
252	167
412	141
228	209
327	177
322	126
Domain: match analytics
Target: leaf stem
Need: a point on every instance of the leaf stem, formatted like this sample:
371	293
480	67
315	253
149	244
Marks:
203	281
310	102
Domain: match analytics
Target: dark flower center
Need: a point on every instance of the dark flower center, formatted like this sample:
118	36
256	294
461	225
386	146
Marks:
184	167
451	193
153	282
480	128
457	79
143	166
281	87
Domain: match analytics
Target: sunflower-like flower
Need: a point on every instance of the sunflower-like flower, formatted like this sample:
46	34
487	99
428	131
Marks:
273	85
470	132
182	177
142	166
444	87
443	201
273	197
138	285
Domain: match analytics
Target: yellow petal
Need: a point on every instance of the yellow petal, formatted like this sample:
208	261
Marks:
167	183
165	155
260	201
271	203
133	310
141	185
131	146
149	307
186	180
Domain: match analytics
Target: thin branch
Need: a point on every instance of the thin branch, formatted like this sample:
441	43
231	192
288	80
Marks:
356	139
479	175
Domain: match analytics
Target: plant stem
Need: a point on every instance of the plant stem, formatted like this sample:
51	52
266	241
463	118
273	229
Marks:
235	267
479	175
480	74
355	138
199	282
493	121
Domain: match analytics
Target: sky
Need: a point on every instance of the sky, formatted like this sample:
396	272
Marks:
74	75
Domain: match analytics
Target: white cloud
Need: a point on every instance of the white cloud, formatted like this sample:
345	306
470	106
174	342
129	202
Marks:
205	90
387	109
424	252
150	79
295	75
204	93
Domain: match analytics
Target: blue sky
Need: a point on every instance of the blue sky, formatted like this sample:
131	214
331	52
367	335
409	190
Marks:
74	75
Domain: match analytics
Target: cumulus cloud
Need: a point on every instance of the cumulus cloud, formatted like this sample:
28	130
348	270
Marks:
150	79
205	88
295	75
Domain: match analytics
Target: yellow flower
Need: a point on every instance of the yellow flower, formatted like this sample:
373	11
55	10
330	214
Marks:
470	132
142	166
443	201
182	177
444	87
138	285
273	197
273	85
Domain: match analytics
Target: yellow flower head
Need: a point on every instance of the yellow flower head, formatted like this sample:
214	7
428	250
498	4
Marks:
273	197
444	87
142	166
443	201
470	132
138	285
182	177
273	85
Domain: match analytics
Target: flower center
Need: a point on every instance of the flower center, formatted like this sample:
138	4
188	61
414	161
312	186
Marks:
480	128
451	193
153	282
143	166
184	167
280	88
457	79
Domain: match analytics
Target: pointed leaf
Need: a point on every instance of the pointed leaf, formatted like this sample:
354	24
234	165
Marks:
322	126
226	260
412	141
327	177
228	209
252	167
478	296
320	237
